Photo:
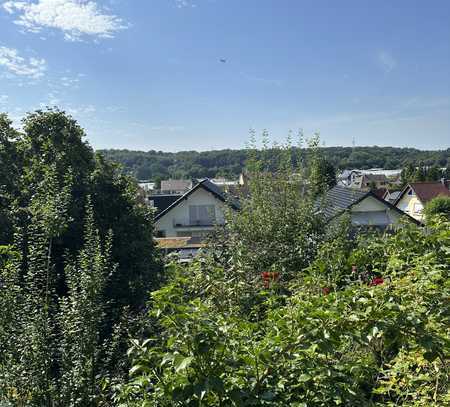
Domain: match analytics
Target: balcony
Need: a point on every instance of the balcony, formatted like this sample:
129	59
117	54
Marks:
188	223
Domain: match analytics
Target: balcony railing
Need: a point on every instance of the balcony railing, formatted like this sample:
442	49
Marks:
180	223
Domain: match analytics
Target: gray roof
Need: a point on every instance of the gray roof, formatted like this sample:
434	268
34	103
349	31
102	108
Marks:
339	199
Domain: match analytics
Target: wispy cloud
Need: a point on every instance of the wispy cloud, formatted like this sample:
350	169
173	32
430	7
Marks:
185	3
17	65
167	128
75	18
70	82
261	80
386	61
419	102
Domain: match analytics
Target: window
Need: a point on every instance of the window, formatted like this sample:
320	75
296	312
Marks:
202	214
160	233
151	203
410	192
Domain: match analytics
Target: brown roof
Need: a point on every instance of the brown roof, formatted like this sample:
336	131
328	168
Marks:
426	191
380	192
376	177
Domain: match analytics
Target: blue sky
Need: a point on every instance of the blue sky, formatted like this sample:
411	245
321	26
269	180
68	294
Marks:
146	74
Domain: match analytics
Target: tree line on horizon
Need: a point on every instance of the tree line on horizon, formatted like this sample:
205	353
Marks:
157	165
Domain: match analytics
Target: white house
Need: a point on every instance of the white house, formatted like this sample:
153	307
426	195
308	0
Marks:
416	195
365	208
194	214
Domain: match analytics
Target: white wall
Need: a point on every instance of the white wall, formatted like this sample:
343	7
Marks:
181	212
411	205
368	211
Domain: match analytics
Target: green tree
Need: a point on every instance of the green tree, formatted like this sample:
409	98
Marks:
52	138
9	168
438	206
322	174
117	208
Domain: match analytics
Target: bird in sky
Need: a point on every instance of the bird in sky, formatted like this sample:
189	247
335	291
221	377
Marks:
223	60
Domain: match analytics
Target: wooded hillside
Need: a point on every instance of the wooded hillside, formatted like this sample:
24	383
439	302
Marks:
159	165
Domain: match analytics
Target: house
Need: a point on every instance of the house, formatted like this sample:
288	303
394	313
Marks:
196	213
391	196
416	195
365	208
377	176
382	193
147	186
366	181
176	186
346	177
223	182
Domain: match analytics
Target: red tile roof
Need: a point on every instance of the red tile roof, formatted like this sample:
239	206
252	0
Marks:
426	191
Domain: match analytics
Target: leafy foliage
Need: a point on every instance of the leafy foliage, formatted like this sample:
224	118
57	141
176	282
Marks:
438	206
77	263
357	345
157	165
52	139
300	314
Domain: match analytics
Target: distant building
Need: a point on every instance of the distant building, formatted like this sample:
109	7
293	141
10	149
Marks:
176	186
391	196
346	177
147	186
365	208
380	177
381	193
416	195
366	181
224	182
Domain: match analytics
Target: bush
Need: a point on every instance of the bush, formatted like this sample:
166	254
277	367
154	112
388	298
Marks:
438	206
361	323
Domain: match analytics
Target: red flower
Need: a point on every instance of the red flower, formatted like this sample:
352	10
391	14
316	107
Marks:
377	281
326	290
267	276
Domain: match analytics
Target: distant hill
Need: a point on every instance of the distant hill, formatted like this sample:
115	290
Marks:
156	165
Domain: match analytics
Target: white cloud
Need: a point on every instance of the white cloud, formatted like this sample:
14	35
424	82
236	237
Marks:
83	111
70	82
17	65
75	18
167	128
184	3
386	61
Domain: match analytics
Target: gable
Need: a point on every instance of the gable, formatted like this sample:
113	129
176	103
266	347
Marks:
369	204
198	197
